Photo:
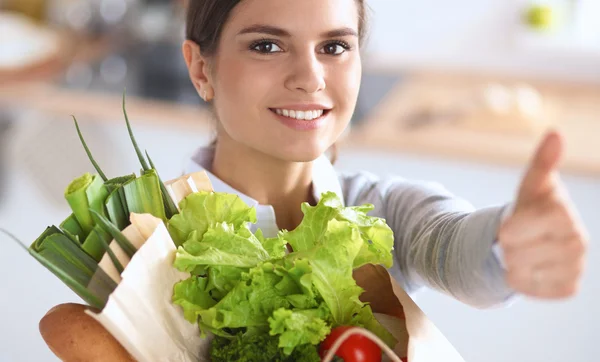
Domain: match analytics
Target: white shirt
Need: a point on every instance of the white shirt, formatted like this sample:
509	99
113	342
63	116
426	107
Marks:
440	240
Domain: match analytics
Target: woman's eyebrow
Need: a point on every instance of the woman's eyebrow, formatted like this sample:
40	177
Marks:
265	29
340	33
275	31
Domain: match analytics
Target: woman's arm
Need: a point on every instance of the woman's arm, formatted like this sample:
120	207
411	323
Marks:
440	240
74	336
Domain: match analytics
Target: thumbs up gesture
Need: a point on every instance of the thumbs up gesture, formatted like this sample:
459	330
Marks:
543	241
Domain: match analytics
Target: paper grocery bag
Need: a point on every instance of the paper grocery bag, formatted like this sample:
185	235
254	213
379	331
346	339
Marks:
420	341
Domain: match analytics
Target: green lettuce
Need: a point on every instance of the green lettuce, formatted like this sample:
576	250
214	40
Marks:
244	284
201	210
299	327
377	237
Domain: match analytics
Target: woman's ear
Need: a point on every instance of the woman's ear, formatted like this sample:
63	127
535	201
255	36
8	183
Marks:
198	69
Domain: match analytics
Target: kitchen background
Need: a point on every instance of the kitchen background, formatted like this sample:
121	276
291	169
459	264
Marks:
454	91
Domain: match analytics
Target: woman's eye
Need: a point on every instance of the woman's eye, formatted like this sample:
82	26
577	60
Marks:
335	48
266	47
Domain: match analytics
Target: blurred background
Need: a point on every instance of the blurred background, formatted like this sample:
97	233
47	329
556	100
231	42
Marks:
453	91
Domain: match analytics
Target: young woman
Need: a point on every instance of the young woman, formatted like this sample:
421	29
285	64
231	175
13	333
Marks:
282	77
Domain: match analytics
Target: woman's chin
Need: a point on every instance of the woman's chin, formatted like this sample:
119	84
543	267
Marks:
299	154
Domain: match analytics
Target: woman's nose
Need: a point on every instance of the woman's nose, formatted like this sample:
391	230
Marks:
306	74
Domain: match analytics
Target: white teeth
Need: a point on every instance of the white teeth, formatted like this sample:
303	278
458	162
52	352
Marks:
301	115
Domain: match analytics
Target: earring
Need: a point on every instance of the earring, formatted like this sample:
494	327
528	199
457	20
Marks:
204	95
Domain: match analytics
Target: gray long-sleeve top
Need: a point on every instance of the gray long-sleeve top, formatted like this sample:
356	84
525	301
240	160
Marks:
440	240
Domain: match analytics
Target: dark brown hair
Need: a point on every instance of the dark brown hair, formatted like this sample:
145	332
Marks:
206	18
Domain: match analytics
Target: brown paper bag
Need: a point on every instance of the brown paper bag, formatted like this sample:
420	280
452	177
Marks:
421	341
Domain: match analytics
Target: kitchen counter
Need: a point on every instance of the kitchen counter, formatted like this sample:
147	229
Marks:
484	118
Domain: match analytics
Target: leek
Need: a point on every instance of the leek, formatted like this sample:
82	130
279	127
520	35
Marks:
170	207
94	243
123	242
143	195
70	226
116	203
83	193
143	162
87	151
67	260
111	254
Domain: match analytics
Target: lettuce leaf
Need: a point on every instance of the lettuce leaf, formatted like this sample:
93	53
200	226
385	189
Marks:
331	263
201	210
299	327
193	295
221	245
377	237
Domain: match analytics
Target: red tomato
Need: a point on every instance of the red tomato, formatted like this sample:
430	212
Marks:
356	348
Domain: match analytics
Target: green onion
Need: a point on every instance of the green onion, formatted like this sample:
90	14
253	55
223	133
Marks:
85	193
87	151
70	226
116	203
121	239
67	260
135	145
169	204
111	254
144	197
94	243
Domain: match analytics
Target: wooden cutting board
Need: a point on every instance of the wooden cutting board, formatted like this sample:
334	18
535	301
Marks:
485	119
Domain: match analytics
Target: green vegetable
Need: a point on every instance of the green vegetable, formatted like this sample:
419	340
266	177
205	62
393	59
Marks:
70	263
71	227
94	243
84	193
221	245
100	210
258	348
377	237
116	202
202	209
243	283
299	327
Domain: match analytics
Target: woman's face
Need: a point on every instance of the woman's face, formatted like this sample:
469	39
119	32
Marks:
286	75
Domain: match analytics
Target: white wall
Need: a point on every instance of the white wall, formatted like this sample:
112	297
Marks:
472	34
528	331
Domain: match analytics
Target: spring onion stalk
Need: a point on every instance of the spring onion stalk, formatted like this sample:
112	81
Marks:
87	151
72	265
170	207
94	243
84	193
70	227
116	203
143	195
143	162
123	242
112	255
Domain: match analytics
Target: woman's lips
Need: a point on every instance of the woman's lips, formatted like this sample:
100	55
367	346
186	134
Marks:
298	124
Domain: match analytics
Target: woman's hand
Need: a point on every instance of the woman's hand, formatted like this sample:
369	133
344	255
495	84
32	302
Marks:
72	335
544	242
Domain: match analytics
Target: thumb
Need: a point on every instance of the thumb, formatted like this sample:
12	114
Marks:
539	178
